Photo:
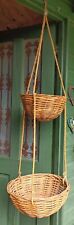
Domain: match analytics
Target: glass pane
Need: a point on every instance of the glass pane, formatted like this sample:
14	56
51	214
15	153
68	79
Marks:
6	62
30	51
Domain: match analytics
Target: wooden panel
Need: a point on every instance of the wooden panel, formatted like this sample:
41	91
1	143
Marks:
26	219
9	165
57	9
13	15
3	200
68	210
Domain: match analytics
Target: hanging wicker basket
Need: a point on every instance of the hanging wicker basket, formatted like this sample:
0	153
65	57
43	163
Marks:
48	107
42	194
49	194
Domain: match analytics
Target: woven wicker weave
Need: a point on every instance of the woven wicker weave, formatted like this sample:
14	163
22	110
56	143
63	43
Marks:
48	107
49	194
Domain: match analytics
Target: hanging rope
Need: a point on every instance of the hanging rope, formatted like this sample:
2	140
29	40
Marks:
35	67
39	54
35	73
34	147
56	60
65	156
33	169
21	147
60	76
37	57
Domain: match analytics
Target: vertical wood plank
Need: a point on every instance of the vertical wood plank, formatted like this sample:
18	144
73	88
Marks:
68	209
3	200
45	148
45	151
58	125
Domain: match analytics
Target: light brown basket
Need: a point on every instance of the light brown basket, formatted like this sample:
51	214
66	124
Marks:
39	195
48	107
49	194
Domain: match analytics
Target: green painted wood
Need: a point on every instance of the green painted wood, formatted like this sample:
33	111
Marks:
48	88
3	200
48	131
57	9
27	220
65	78
9	165
43	221
45	156
58	124
67	212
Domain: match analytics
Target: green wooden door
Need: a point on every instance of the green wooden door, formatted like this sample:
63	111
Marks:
68	209
16	63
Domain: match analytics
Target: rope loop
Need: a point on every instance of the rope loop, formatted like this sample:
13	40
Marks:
45	8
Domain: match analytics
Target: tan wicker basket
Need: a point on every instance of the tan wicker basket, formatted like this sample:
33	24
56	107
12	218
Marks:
42	194
49	194
48	107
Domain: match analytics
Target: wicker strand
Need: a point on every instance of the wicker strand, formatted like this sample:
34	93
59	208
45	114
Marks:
54	52
22	136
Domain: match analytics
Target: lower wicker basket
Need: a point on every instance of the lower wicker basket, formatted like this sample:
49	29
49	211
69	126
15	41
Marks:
49	193
48	107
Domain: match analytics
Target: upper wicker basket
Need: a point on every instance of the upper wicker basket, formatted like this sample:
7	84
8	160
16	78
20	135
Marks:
48	107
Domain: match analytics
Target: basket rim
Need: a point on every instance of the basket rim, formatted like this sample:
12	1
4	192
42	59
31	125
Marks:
40	95
36	198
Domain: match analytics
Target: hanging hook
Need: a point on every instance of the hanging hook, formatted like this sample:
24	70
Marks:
45	9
